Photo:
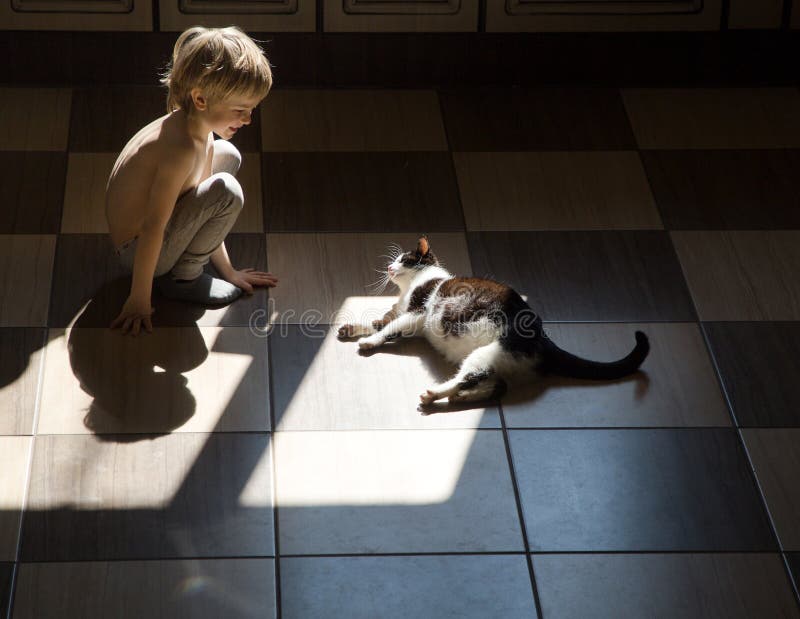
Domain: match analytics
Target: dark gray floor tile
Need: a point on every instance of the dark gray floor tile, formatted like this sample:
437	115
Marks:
725	189
631	490
794	566
360	192
676	386
6	574
184	495
31	191
775	454
200	589
690	586
741	275
467	587
587	276
87	271
759	363
104	119
536	119
395	491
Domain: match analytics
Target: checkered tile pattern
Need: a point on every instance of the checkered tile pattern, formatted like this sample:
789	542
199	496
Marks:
242	462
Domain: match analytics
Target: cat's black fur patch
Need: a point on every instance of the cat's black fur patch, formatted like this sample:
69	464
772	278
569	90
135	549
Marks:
412	260
473	378
467	299
421	295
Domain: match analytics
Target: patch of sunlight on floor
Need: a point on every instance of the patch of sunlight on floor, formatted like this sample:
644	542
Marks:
371	465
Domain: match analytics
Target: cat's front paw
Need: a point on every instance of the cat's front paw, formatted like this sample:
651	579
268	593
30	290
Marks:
429	397
378	324
368	343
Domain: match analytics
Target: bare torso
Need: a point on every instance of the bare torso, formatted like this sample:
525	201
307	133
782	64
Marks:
128	188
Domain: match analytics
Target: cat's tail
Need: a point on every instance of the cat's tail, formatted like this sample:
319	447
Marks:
558	361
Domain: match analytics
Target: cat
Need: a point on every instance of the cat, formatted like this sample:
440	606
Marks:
483	325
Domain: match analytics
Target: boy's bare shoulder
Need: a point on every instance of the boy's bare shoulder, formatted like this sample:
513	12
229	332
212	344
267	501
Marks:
173	145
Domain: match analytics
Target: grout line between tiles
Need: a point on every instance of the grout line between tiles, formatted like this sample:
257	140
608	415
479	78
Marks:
520	513
792	581
453	170
29	468
482	553
746	452
274	481
423	429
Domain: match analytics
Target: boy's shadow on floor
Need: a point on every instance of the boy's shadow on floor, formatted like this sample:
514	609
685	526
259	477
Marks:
137	383
524	390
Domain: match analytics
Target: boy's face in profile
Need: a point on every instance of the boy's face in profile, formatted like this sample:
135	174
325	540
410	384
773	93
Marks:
226	117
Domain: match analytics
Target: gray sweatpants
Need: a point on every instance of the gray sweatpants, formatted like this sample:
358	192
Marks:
200	221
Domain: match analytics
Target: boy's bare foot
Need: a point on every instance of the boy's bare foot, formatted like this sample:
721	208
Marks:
204	289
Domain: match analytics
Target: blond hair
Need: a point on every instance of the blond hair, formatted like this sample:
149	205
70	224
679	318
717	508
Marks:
222	62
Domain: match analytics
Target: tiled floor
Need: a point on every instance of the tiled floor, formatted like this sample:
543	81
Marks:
243	462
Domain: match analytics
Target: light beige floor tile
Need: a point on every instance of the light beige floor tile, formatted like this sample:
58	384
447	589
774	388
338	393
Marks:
352	120
690	586
714	118
678	386
200	589
322	383
181	495
394	491
173	379
467	587
26	266
34	118
775	453
555	191
328	278
742	275
84	195
251	219
14	457
20	367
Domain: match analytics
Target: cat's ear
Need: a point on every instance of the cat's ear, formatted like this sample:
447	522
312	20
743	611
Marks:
423	246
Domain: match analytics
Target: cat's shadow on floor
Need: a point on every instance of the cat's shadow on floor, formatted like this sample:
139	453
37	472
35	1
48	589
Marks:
520	391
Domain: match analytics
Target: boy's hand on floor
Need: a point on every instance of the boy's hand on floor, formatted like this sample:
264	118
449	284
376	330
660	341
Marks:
135	314
247	278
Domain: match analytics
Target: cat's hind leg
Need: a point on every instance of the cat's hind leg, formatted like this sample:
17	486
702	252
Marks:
489	388
479	367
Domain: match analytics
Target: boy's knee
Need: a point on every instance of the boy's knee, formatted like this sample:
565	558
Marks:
228	188
227	157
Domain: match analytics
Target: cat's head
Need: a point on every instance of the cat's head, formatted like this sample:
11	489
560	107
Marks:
408	264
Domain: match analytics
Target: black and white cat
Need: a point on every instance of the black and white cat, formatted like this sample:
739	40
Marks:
483	325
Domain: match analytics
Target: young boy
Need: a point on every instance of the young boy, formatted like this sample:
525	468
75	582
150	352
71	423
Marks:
172	196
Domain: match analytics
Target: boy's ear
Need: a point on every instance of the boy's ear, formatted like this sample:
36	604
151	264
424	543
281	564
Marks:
422	246
199	100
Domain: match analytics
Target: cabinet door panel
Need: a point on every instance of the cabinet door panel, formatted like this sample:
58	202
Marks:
401	15
755	14
251	15
76	15
601	15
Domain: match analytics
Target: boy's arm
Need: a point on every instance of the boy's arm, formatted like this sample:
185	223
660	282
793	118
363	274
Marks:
163	194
